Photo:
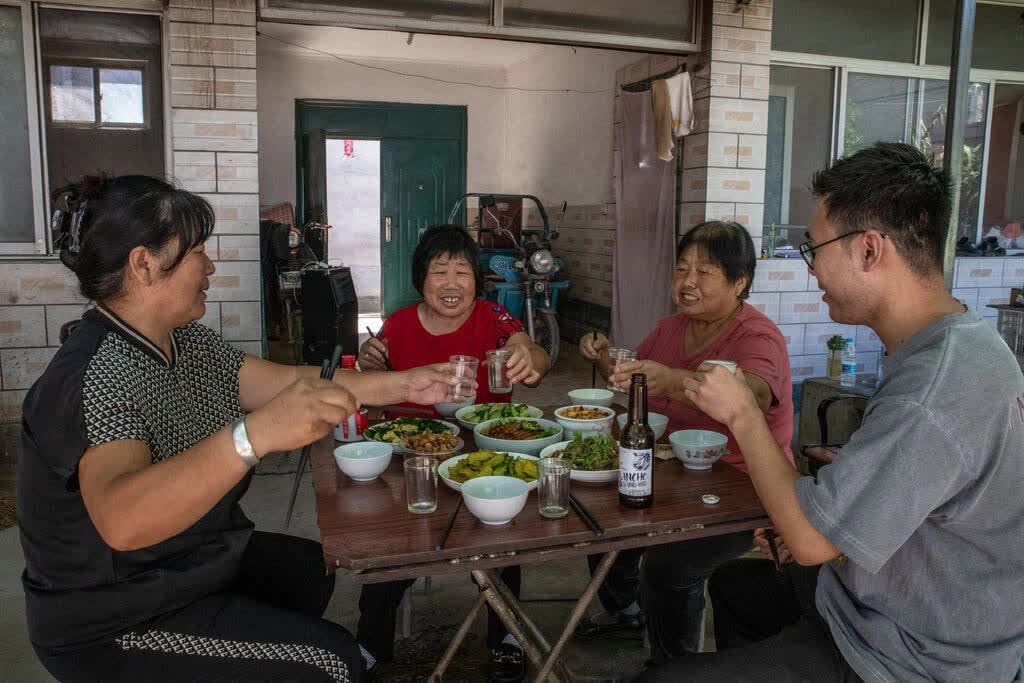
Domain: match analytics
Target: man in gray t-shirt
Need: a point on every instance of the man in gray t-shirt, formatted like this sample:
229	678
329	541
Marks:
919	522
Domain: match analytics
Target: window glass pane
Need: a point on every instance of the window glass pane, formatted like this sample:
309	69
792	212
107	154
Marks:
71	94
799	140
998	36
865	29
16	215
1004	187
671	20
121	96
877	108
472	11
931	122
98	27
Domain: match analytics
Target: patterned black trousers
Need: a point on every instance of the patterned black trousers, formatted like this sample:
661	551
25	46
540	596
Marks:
267	628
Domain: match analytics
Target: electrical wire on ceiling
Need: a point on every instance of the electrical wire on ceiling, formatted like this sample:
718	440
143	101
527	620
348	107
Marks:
564	91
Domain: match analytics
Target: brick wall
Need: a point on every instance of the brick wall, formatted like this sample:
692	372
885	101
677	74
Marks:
789	295
213	134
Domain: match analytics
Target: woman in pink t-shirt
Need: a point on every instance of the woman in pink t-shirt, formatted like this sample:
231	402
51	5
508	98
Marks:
714	270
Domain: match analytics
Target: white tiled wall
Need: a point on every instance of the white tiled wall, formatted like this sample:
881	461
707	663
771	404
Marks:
789	295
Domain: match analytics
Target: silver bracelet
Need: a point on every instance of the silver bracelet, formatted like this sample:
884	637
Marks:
242	446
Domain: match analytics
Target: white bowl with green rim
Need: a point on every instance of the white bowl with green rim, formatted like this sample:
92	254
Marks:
656	421
591	397
495	500
363	460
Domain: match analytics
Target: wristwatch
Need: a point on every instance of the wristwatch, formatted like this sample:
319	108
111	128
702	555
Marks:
242	445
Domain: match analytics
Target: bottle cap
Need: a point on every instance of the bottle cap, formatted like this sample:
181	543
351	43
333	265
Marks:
710	499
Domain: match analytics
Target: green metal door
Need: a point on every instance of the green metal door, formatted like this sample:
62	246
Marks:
419	185
423	173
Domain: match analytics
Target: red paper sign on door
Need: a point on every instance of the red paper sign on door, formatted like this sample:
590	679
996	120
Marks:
349	148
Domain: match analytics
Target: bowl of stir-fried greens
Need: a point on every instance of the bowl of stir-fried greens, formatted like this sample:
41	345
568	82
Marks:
471	416
595	459
460	469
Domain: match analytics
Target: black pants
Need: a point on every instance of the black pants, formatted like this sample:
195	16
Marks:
767	629
672	578
621	586
378	612
268	627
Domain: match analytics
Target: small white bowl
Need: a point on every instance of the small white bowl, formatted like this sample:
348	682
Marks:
528	446
449	409
698	449
495	500
591	397
657	422
363	461
592	427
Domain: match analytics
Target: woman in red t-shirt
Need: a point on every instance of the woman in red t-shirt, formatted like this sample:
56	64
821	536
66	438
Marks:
451	320
715	264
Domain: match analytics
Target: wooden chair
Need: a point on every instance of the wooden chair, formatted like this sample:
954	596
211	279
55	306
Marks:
815	458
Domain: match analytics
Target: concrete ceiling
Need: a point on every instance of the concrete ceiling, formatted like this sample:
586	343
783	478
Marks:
392	45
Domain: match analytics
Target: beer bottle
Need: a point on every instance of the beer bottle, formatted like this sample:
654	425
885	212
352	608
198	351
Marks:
636	450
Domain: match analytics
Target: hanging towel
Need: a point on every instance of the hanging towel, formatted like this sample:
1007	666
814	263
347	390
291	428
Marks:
663	123
680	96
645	254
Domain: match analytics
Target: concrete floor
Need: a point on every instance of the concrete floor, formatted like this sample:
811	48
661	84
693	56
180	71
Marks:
549	590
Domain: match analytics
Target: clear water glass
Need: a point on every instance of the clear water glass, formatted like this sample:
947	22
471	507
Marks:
464	368
616	357
421	483
553	487
497	371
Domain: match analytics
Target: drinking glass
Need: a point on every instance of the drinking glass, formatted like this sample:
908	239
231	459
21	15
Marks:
497	371
553	487
421	483
617	356
464	368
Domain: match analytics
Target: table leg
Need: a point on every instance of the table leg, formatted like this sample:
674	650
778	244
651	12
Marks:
508	612
531	628
577	613
460	635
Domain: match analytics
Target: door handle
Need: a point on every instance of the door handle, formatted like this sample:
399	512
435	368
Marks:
387	229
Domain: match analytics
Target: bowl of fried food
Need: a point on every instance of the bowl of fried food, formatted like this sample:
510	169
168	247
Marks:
459	469
440	446
519	435
587	420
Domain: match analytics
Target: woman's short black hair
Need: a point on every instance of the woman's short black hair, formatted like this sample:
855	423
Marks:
118	214
446	240
728	245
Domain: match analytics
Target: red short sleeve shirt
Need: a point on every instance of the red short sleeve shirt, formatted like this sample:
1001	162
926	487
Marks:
755	344
488	327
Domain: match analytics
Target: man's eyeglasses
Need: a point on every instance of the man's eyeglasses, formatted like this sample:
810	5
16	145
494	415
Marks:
807	249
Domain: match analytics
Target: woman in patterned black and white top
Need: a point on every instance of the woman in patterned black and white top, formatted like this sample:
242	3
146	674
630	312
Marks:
139	440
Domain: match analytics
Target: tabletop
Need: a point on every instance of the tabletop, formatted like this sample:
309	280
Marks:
366	526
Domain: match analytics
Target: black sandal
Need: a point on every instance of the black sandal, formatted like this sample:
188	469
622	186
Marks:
507	664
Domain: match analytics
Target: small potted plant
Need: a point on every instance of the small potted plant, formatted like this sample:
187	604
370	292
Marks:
836	343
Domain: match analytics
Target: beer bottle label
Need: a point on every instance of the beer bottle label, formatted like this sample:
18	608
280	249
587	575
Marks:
635	467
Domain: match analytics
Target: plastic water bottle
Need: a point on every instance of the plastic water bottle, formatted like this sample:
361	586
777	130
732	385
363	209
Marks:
848	368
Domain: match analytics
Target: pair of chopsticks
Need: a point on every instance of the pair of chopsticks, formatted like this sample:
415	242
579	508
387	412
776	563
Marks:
769	534
387	361
585	515
451	523
593	367
326	372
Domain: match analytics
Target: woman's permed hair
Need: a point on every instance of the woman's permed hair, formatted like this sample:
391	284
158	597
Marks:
118	214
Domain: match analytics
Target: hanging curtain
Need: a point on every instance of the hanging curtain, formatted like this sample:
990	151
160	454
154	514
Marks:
645	193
